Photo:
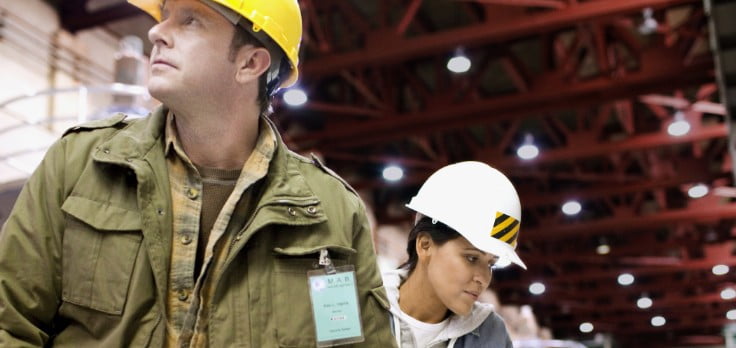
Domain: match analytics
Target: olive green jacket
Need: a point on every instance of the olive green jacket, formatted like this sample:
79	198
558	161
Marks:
84	255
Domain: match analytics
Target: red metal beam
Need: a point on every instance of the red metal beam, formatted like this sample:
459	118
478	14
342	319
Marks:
637	142
632	224
339	110
408	16
395	49
556	4
548	94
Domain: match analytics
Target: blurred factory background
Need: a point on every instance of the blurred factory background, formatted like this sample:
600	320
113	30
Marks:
610	116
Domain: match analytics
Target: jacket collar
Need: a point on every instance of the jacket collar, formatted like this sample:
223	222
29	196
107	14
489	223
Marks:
135	142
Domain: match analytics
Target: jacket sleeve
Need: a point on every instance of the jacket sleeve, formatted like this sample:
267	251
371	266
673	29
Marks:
374	302
30	256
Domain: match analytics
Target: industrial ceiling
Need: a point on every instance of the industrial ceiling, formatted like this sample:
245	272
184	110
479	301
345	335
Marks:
594	84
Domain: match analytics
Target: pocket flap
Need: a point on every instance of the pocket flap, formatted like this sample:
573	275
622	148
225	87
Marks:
308	250
102	215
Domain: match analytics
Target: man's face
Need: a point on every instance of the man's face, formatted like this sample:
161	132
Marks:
189	61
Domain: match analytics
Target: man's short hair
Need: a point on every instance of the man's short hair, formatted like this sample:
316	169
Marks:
241	38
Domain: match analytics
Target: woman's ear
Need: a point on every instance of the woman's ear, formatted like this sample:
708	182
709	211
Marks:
252	62
424	245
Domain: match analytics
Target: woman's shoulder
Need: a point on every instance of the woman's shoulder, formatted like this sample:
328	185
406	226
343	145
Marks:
493	325
491	333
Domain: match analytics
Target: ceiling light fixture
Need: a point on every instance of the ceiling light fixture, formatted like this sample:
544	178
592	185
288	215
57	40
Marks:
720	269
679	126
658	320
393	173
295	97
644	302
728	294
571	207
528	150
459	63
626	279
586	327
649	24
537	288
698	191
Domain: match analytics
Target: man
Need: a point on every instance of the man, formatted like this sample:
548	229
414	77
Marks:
195	226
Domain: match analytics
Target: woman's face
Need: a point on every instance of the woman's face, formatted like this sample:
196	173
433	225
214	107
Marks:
458	272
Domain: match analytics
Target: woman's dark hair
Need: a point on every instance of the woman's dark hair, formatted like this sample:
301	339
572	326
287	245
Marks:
439	232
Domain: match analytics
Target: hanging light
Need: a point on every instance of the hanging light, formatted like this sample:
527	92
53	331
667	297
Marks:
528	150
648	24
459	63
698	191
626	279
679	126
393	173
644	302
537	288
586	327
572	207
731	315
658	320
295	97
720	269
728	294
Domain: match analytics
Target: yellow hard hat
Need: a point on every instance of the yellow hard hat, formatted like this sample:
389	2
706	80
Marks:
281	20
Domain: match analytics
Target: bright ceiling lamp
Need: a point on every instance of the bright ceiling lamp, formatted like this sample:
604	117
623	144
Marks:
644	302
626	279
658	320
649	23
571	207
295	97
698	191
528	150
728	294
603	248
586	327
459	63
720	269
679	126
731	315
537	288
393	173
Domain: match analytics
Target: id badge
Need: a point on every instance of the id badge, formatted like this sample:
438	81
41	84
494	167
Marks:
335	307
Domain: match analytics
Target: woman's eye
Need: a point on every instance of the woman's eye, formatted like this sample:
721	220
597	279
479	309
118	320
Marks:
471	259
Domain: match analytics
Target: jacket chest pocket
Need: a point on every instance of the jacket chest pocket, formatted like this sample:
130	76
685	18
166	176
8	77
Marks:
100	246
291	302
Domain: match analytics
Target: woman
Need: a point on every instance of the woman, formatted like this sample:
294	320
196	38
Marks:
468	217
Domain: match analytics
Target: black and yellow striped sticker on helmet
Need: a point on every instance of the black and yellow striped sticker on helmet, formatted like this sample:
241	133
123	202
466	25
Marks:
505	228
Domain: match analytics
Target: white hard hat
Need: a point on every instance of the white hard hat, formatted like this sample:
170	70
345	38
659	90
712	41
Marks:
477	201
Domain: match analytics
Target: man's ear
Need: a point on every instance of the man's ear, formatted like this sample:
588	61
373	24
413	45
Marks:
252	62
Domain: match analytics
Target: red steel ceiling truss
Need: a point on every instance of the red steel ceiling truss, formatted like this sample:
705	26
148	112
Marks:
596	95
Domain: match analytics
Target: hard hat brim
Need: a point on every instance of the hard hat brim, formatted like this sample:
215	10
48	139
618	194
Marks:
489	245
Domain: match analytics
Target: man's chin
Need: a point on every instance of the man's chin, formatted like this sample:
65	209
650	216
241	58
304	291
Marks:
159	93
